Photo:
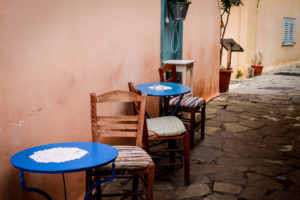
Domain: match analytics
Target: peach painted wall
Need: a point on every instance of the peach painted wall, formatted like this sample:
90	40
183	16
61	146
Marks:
269	32
54	53
201	43
260	29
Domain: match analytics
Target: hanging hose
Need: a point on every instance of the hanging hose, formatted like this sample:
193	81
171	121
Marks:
172	39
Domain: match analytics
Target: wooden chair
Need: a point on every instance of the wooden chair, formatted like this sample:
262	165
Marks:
132	161
188	103
167	129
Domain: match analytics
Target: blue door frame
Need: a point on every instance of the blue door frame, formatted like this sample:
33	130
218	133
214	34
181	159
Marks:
167	31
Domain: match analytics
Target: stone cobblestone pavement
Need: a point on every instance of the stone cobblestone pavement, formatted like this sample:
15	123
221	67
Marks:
251	148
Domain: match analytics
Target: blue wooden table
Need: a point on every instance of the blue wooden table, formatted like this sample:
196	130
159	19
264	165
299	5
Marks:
97	156
174	89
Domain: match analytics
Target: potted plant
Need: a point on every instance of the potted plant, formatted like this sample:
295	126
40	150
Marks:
225	73
178	9
224	79
257	64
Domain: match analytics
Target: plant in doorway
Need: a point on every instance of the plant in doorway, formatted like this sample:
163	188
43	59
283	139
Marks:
179	8
257	64
239	74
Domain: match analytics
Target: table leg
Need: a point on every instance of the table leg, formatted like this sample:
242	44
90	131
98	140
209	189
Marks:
64	182
166	106
184	76
177	105
41	192
192	80
101	181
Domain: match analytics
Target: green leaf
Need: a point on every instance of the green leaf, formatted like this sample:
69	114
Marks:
226	5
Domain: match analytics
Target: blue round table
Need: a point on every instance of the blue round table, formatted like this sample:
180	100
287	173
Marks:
97	156
176	89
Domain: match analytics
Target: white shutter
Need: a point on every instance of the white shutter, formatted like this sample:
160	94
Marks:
288	31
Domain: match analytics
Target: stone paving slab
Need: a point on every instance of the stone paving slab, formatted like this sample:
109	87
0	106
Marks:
227	188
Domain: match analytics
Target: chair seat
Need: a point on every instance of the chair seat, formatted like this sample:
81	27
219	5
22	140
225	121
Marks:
165	126
130	157
188	101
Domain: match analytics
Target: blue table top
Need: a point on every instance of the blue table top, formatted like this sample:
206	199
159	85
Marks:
98	155
176	89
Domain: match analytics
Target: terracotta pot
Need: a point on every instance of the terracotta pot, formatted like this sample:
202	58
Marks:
224	81
257	69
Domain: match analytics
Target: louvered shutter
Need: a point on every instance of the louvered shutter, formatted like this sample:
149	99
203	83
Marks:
288	31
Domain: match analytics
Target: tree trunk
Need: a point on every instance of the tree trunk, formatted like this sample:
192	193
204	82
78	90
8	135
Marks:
223	34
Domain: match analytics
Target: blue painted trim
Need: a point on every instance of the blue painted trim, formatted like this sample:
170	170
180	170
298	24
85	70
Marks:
167	30
162	22
288	31
180	27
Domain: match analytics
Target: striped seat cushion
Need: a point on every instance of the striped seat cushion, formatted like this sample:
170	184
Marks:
188	101
130	157
165	126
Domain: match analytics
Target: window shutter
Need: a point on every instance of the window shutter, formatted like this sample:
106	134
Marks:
288	31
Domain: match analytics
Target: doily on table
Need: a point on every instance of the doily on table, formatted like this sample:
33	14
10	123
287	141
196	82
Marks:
160	87
58	155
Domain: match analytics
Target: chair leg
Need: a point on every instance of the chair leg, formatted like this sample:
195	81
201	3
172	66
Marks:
145	139
135	185
172	145
88	182
203	120
150	181
192	127
186	158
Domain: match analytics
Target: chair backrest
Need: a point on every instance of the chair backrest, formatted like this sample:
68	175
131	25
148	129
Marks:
164	69
163	73
136	110
118	126
133	89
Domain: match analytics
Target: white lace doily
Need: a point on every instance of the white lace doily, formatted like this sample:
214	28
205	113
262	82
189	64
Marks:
160	87
58	154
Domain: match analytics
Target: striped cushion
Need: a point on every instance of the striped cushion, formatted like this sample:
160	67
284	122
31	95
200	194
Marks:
165	126
188	101
130	157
